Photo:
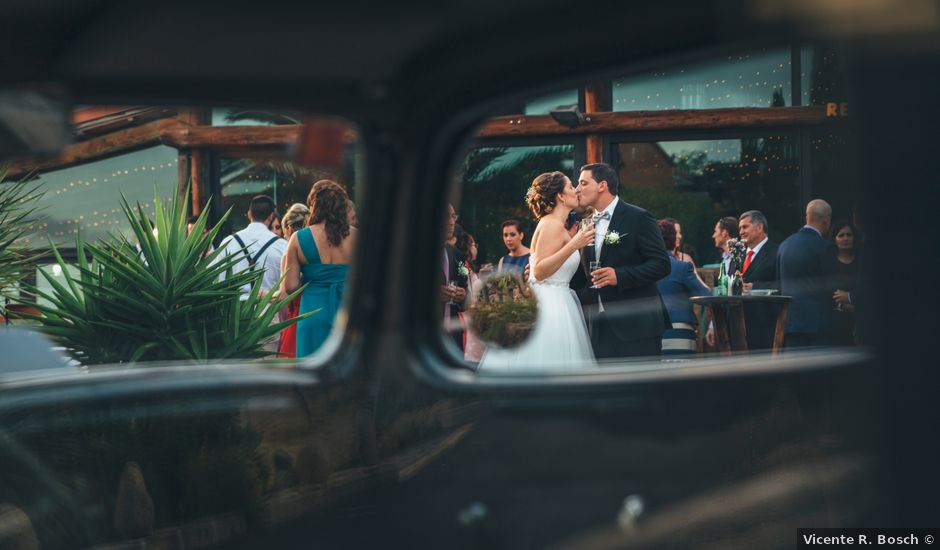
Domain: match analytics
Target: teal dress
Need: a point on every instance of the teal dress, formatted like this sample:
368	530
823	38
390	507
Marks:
324	291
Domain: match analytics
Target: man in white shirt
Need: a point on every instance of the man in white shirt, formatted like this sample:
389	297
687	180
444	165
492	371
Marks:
725	229
257	246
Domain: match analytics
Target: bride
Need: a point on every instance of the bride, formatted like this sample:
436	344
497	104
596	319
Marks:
559	339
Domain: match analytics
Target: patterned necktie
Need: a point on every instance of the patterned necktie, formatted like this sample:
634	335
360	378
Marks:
747	261
601	216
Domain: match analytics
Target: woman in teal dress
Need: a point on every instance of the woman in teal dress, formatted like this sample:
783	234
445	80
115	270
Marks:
318	256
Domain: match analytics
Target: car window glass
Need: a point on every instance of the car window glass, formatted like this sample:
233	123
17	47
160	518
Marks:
119	203
718	240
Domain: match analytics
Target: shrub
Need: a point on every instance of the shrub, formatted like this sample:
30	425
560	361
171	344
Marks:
163	298
16	218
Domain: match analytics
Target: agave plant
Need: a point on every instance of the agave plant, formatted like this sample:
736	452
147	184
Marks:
165	297
17	214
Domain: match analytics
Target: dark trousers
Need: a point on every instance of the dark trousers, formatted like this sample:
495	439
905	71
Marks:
607	345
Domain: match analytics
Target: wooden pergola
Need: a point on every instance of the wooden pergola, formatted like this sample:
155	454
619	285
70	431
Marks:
107	131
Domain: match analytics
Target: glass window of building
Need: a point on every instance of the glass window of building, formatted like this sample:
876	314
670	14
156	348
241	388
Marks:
243	177
698	182
821	76
241	116
754	79
543	105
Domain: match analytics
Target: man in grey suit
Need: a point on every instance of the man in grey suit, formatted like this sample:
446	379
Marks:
807	271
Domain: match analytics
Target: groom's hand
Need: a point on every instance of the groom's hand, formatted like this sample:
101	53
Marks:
605	276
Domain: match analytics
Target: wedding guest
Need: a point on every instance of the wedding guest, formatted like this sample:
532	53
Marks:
276	227
190	222
256	246
678	253
844	237
518	256
806	269
453	292
318	255
473	346
294	220
353	219
759	271
725	229
676	289
458	231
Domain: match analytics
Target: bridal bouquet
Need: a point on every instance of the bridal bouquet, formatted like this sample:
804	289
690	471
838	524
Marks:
504	314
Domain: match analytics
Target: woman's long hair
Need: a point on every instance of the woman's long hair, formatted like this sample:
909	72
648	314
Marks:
328	204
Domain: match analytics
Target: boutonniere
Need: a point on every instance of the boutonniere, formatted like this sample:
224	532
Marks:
612	237
463	271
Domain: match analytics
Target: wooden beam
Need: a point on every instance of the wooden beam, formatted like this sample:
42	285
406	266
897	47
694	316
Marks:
169	132
639	121
81	115
594	102
183	136
97	147
107	123
197	160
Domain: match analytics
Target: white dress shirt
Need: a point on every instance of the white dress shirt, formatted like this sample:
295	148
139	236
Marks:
600	230
756	249
255	236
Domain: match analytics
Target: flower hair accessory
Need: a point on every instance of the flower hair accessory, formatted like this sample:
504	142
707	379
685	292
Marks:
530	192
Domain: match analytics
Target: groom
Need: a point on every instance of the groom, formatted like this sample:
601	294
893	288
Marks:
626	315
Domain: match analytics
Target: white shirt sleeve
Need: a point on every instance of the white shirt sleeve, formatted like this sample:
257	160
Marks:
272	264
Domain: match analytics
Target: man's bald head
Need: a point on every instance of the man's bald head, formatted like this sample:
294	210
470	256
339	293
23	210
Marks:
819	215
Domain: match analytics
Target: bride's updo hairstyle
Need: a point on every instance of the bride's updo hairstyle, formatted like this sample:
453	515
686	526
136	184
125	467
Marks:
543	195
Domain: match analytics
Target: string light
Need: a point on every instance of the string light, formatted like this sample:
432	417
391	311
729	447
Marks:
97	219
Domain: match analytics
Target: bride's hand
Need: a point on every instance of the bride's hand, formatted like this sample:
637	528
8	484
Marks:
584	237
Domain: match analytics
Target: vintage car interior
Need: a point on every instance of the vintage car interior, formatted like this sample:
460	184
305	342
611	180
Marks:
386	437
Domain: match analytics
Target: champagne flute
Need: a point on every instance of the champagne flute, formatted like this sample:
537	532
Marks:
592	267
452	286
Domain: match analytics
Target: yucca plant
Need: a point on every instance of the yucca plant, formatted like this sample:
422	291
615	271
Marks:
162	298
17	214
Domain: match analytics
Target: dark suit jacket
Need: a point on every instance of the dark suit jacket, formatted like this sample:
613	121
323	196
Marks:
455	258
762	318
807	271
634	307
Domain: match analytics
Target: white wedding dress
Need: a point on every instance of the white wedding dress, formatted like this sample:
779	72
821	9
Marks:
560	339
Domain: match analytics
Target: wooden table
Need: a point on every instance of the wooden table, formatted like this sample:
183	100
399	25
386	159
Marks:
730	326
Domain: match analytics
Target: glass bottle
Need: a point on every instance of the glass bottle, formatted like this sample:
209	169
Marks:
721	288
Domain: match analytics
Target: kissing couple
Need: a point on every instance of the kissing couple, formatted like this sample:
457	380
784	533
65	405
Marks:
596	290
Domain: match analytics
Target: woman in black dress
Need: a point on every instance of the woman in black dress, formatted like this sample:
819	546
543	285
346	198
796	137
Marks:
844	237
